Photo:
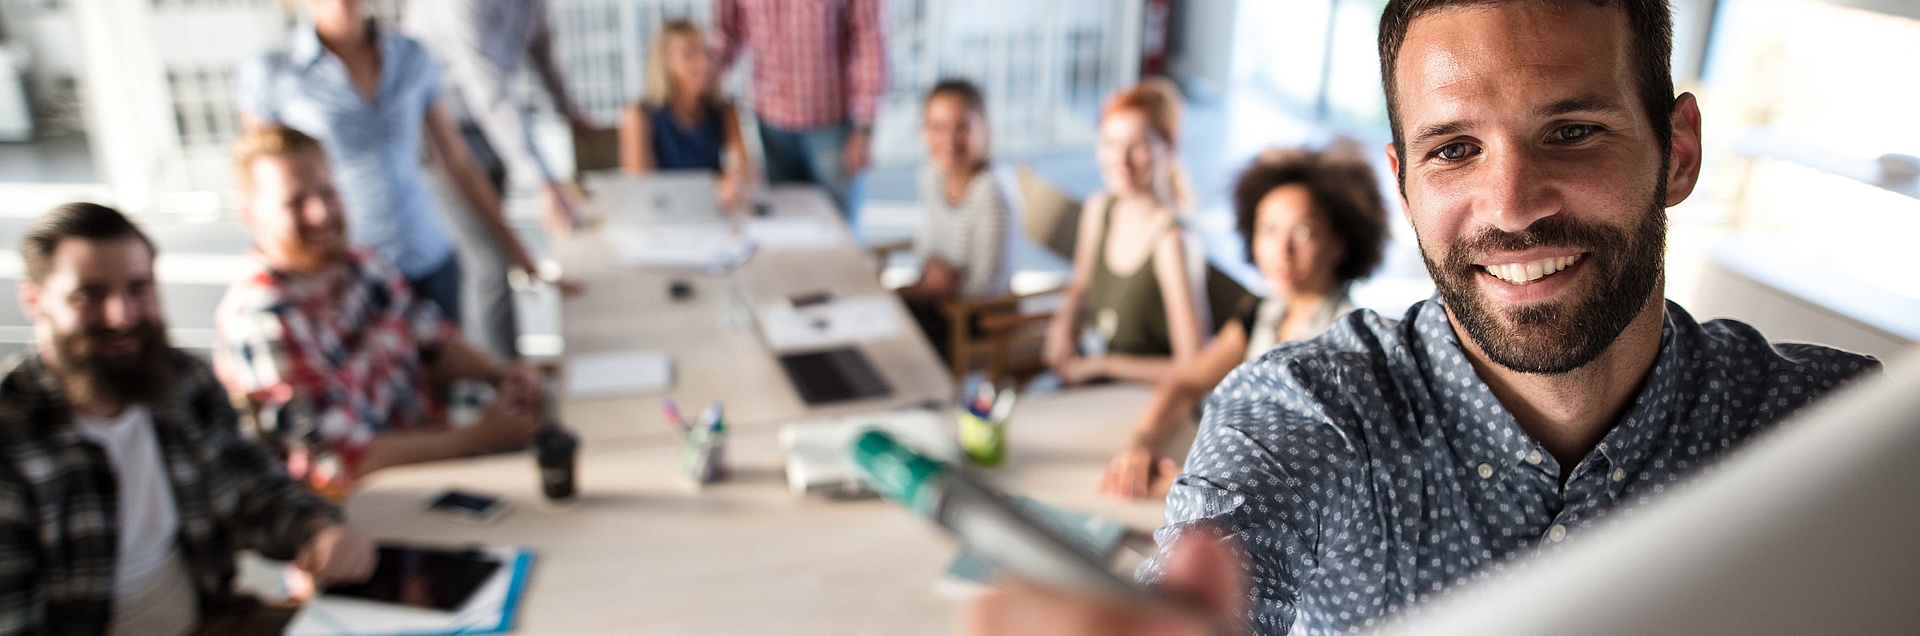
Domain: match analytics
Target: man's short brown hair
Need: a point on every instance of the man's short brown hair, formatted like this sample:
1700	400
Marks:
1649	21
81	220
269	141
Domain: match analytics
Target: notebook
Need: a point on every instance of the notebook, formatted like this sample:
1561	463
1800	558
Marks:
819	460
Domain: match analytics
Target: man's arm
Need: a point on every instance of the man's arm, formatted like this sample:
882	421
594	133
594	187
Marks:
23	604
729	33
277	513
540	49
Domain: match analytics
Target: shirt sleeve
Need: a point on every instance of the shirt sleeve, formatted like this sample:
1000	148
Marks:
988	216
866	60
729	33
487	90
274	512
1266	475
253	93
22	601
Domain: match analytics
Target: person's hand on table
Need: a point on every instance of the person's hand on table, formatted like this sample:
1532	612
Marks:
858	152
1078	370
336	555
507	423
1136	473
1202	576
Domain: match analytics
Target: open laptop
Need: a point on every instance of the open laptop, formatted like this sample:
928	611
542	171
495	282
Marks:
672	197
834	375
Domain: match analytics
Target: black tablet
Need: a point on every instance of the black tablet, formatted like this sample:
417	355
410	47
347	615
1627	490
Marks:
424	577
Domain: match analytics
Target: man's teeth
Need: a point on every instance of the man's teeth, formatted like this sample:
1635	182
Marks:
1523	273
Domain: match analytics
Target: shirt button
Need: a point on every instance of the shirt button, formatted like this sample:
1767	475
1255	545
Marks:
1619	474
1533	458
1557	533
1486	471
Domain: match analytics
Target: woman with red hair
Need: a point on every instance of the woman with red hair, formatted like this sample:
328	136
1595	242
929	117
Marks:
1130	311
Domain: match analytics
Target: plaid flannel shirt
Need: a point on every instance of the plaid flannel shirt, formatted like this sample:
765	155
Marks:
328	364
815	63
58	508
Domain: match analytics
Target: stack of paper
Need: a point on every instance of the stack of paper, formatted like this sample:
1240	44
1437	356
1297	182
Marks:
705	247
820	457
489	611
611	373
835	323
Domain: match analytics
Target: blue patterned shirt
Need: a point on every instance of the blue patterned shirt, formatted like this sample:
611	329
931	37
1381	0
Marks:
373	146
1369	468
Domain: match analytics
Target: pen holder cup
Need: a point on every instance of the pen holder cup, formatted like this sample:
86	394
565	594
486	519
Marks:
703	457
983	441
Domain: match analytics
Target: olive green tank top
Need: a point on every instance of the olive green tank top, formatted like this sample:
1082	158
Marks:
1127	313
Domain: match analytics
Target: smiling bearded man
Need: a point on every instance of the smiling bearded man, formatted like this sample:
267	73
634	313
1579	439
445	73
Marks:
1537	145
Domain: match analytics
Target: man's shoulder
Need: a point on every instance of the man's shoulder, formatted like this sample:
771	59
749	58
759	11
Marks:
1336	385
1747	358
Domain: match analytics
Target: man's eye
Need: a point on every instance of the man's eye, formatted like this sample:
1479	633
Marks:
1453	152
1573	132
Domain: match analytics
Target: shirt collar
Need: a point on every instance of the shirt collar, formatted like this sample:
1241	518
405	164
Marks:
1482	431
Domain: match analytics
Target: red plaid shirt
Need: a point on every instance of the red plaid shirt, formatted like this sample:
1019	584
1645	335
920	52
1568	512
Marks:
815	62
328	363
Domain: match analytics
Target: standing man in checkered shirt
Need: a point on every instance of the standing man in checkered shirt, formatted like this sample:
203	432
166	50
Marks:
819	69
125	485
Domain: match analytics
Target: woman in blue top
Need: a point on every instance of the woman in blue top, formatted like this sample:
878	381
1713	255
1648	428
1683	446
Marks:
371	96
684	124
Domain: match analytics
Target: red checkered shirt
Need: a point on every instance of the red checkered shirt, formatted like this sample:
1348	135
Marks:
815	62
328	363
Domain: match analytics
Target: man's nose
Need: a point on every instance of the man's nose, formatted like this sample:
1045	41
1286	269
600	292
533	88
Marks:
1514	191
123	311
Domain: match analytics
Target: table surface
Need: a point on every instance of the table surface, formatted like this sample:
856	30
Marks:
644	550
717	350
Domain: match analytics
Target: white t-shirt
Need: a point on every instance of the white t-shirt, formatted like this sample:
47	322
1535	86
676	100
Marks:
153	592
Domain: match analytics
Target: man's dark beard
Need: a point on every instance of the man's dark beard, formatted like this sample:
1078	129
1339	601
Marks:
95	379
1557	337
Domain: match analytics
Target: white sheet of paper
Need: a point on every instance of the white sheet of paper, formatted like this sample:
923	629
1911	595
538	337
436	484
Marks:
818	456
345	616
612	373
839	322
791	234
711	247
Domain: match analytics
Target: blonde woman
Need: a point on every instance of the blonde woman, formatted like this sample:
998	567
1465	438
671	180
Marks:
1130	311
683	123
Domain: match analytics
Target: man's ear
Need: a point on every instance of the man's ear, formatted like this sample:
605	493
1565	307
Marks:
1399	181
28	294
1683	163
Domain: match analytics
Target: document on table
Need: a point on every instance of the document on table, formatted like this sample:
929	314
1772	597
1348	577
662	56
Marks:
820	452
834	323
708	247
791	234
489	611
611	373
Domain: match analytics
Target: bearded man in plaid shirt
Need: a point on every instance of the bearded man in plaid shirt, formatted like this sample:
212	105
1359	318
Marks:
340	362
125	485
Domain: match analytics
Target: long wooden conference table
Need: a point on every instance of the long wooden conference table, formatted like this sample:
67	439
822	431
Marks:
643	550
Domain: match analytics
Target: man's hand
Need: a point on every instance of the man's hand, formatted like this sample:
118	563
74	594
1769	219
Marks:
336	555
561	212
858	152
1136	474
508	423
1203	579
